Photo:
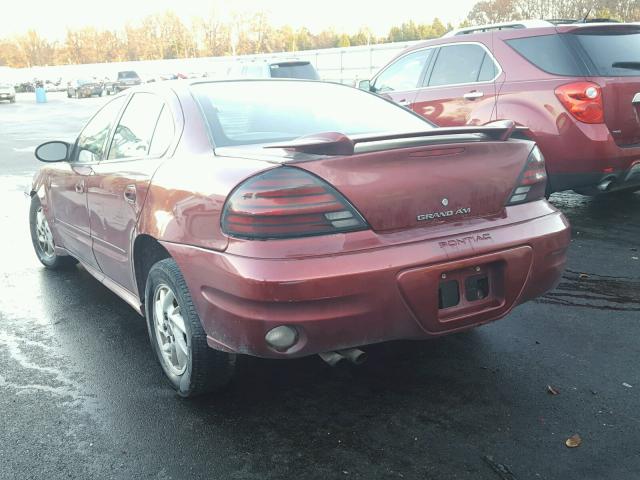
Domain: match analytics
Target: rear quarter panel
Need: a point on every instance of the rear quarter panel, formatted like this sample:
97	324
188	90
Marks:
188	191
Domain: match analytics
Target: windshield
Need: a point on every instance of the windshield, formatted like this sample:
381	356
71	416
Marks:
265	111
614	54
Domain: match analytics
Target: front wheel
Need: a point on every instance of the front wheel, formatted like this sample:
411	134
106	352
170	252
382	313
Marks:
42	239
177	336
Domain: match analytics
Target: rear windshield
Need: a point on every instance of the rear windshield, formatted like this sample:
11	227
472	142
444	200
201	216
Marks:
303	70
613	54
128	75
267	111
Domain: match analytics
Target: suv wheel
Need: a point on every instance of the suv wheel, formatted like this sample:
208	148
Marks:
177	336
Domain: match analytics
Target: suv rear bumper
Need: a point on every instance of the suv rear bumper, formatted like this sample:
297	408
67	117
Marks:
369	296
583	156
595	183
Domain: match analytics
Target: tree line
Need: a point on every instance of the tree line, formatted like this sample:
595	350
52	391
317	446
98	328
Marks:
494	11
166	36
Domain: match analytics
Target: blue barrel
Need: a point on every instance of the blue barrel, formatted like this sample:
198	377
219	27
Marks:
41	95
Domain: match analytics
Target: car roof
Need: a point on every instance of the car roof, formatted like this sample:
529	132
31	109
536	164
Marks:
483	33
551	24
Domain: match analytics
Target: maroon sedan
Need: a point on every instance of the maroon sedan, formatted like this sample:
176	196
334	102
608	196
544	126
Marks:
289	218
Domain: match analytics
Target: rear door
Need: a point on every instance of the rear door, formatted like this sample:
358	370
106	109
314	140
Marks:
399	80
613	54
117	189
460	88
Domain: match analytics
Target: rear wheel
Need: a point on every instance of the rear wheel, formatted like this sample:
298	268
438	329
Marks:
177	336
42	239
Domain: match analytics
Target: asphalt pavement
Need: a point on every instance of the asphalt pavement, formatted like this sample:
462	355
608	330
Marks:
82	396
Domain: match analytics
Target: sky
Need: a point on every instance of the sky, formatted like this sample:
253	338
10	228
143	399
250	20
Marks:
51	18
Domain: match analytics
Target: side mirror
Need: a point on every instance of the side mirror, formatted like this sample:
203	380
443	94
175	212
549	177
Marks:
53	151
364	85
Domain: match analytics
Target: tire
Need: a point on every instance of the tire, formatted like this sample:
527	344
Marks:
12	100
78	94
190	365
46	255
68	94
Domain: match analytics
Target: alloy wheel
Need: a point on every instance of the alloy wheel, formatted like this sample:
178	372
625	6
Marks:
46	246
171	334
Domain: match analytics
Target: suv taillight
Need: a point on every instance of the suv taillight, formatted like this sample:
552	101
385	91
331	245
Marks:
583	100
287	202
532	182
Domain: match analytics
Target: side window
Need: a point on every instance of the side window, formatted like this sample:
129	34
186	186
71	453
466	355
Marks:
92	141
549	53
488	71
404	74
163	134
457	64
132	137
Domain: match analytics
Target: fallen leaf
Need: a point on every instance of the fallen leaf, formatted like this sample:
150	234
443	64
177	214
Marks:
634	258
573	441
584	275
552	390
625	384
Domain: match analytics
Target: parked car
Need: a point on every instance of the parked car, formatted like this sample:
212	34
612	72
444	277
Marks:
576	86
127	79
83	88
7	92
109	87
266	218
272	69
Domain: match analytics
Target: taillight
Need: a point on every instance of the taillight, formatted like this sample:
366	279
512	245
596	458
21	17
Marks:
532	182
287	202
583	100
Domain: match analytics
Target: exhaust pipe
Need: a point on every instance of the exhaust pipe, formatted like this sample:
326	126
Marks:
605	185
332	358
354	355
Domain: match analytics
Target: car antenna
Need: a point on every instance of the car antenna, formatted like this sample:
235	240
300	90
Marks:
584	20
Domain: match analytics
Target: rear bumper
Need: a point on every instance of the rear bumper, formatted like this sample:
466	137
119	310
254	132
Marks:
593	183
582	155
370	296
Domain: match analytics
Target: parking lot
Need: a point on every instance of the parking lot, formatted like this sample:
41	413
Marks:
82	395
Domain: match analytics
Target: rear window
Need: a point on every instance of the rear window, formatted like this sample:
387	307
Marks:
614	54
303	70
551	53
128	75
267	111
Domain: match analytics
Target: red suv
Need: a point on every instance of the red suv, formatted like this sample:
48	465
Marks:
575	85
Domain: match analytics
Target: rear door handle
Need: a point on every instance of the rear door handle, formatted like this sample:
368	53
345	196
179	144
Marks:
130	194
80	187
403	102
473	95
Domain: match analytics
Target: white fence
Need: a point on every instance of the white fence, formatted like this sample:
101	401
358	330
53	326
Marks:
345	65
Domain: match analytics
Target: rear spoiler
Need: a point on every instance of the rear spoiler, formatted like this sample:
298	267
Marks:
334	143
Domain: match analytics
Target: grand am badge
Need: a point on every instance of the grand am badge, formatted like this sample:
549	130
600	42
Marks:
443	214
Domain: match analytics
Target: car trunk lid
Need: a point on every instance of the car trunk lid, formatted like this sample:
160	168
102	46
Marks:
410	182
